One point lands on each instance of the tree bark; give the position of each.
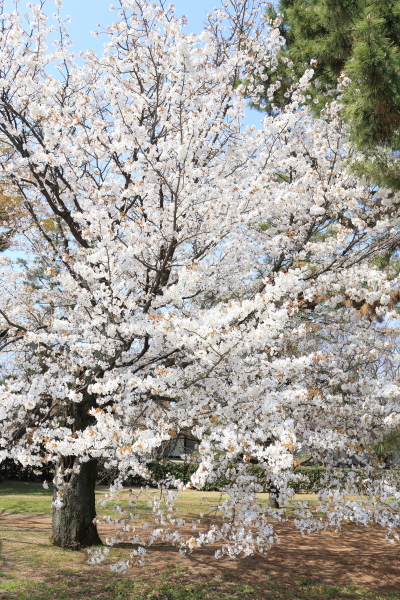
(273, 497)
(73, 525)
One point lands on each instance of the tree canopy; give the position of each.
(195, 274)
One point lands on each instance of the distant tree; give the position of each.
(8, 219)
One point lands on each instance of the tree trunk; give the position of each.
(73, 525)
(273, 497)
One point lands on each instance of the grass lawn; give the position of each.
(356, 564)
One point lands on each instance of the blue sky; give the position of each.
(87, 14)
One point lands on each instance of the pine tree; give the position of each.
(358, 38)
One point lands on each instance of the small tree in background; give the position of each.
(10, 213)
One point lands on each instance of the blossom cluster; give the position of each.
(192, 273)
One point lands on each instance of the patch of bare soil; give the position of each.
(359, 556)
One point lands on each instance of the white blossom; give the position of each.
(193, 274)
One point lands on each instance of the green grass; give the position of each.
(76, 588)
(25, 498)
(22, 488)
(21, 498)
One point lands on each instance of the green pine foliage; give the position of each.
(359, 39)
(372, 101)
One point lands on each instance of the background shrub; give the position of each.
(11, 471)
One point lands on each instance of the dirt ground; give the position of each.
(358, 556)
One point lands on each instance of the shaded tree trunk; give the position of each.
(273, 497)
(73, 525)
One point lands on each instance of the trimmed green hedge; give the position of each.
(9, 470)
(12, 471)
(179, 470)
(314, 475)
(184, 471)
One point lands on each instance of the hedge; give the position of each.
(12, 471)
(184, 471)
(9, 470)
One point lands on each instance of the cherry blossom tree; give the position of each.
(196, 274)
